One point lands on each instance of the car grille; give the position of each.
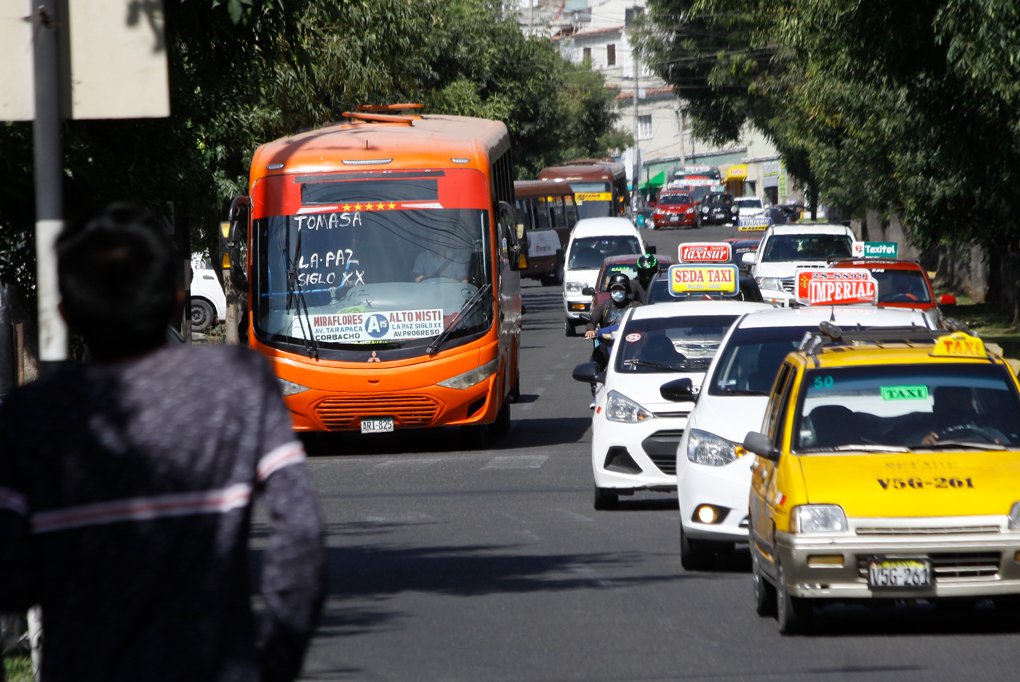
(407, 410)
(787, 284)
(661, 449)
(925, 530)
(953, 567)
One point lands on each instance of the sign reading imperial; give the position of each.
(836, 287)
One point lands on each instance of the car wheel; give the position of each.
(792, 613)
(568, 327)
(764, 591)
(547, 280)
(694, 554)
(605, 499)
(202, 315)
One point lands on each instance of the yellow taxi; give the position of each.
(887, 468)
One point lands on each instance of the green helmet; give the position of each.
(647, 264)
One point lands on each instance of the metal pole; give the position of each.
(49, 178)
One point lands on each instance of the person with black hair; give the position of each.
(127, 485)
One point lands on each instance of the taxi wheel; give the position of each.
(791, 612)
(694, 555)
(604, 499)
(764, 591)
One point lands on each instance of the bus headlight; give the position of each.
(473, 377)
(819, 518)
(289, 387)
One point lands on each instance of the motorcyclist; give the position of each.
(647, 268)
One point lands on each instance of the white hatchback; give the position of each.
(591, 240)
(658, 350)
(713, 482)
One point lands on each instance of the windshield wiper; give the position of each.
(740, 391)
(294, 287)
(651, 363)
(870, 447)
(950, 444)
(461, 314)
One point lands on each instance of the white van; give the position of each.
(208, 302)
(591, 240)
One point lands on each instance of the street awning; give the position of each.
(737, 171)
(657, 180)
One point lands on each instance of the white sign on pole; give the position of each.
(16, 92)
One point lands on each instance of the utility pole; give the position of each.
(637, 147)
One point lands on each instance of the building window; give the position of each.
(610, 55)
(586, 55)
(644, 127)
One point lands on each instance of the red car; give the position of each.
(627, 264)
(674, 209)
(901, 284)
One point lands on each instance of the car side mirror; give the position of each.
(588, 291)
(588, 372)
(946, 300)
(759, 444)
(678, 391)
(747, 259)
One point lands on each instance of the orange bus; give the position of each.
(383, 272)
(546, 213)
(600, 187)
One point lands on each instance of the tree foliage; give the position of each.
(246, 71)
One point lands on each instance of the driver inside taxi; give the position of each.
(955, 416)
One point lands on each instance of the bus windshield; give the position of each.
(383, 274)
(594, 199)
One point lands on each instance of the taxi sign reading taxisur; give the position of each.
(702, 278)
(960, 345)
(844, 286)
(705, 252)
(874, 249)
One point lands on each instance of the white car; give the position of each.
(635, 430)
(713, 483)
(208, 302)
(591, 240)
(750, 211)
(785, 248)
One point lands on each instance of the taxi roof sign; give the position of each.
(959, 345)
(705, 252)
(703, 278)
(843, 286)
(874, 249)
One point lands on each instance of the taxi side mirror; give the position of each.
(588, 372)
(588, 291)
(747, 259)
(678, 391)
(759, 444)
(946, 300)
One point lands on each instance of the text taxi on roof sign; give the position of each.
(887, 467)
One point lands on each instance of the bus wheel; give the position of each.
(515, 391)
(501, 426)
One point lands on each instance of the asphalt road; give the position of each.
(455, 565)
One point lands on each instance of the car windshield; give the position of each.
(671, 344)
(901, 286)
(748, 202)
(674, 199)
(587, 253)
(908, 406)
(750, 360)
(805, 247)
(629, 269)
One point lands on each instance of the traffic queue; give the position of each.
(864, 446)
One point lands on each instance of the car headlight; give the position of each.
(819, 518)
(289, 387)
(620, 408)
(1014, 517)
(573, 287)
(709, 449)
(475, 376)
(690, 210)
(704, 209)
(773, 283)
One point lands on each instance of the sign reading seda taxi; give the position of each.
(836, 287)
(705, 252)
(702, 278)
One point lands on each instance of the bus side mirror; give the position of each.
(234, 242)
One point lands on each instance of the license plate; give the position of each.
(899, 574)
(377, 425)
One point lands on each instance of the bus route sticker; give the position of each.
(362, 327)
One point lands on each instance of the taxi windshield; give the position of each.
(900, 286)
(909, 407)
(671, 344)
